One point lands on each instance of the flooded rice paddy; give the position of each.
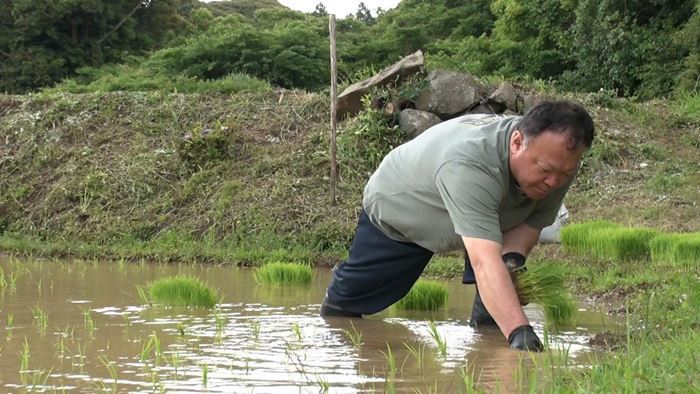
(80, 327)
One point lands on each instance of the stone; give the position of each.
(448, 93)
(413, 122)
(530, 101)
(506, 95)
(349, 102)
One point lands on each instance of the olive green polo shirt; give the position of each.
(454, 180)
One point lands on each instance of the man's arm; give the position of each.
(520, 239)
(495, 286)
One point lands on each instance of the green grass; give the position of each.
(167, 247)
(688, 107)
(659, 350)
(112, 78)
(680, 250)
(284, 273)
(425, 295)
(182, 291)
(543, 283)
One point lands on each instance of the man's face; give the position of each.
(543, 163)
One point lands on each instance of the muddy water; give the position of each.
(80, 327)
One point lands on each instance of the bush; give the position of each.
(364, 140)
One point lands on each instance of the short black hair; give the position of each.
(559, 116)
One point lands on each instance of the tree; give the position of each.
(62, 36)
(320, 10)
(364, 15)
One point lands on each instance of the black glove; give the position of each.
(480, 315)
(524, 338)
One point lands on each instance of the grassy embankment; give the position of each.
(111, 176)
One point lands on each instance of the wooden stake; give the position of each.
(334, 93)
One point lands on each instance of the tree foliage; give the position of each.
(45, 40)
(642, 48)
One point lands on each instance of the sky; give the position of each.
(340, 8)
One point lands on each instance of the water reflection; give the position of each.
(260, 338)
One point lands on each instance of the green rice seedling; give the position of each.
(255, 330)
(174, 361)
(425, 295)
(24, 357)
(61, 347)
(152, 346)
(181, 329)
(41, 319)
(469, 382)
(439, 339)
(220, 322)
(323, 385)
(182, 291)
(390, 361)
(112, 371)
(686, 252)
(579, 238)
(543, 284)
(677, 249)
(3, 280)
(143, 295)
(355, 336)
(82, 351)
(418, 354)
(13, 281)
(284, 273)
(88, 322)
(39, 379)
(623, 243)
(205, 373)
(10, 324)
(297, 332)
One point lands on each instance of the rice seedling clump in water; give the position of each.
(425, 295)
(284, 273)
(182, 291)
(543, 284)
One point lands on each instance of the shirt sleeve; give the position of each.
(472, 194)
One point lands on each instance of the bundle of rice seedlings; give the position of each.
(543, 284)
(623, 243)
(284, 273)
(677, 249)
(579, 238)
(182, 291)
(425, 295)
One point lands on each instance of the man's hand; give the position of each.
(494, 283)
(524, 338)
(515, 262)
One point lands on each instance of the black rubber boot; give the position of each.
(330, 310)
(480, 316)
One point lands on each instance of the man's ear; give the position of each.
(517, 141)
